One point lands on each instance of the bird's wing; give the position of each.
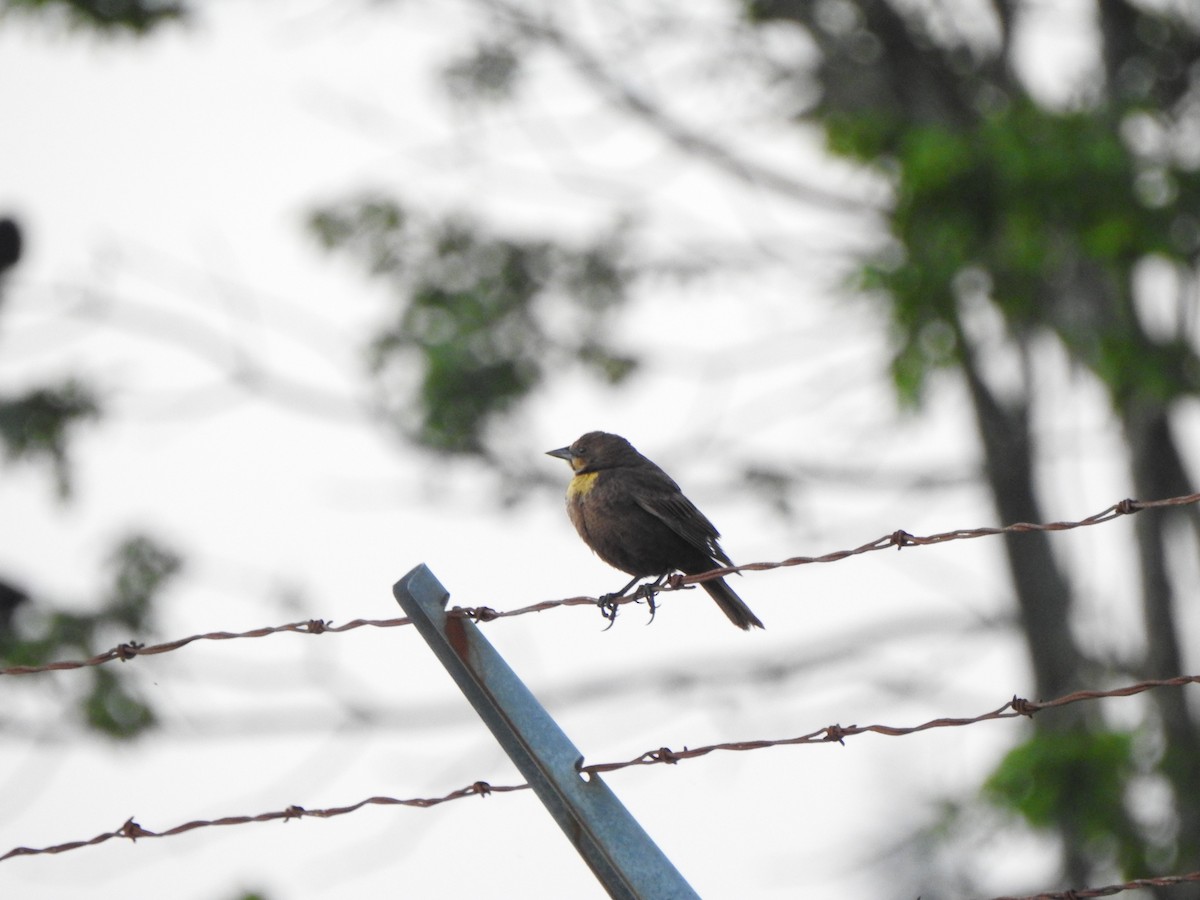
(681, 515)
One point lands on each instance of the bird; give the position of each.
(634, 516)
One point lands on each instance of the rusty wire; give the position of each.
(663, 755)
(901, 539)
(131, 830)
(898, 539)
(1014, 708)
(127, 651)
(1109, 889)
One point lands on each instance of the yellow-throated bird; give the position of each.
(635, 518)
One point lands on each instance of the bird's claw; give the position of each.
(646, 592)
(609, 602)
(608, 608)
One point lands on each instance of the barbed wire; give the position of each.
(901, 539)
(131, 830)
(1110, 889)
(1014, 708)
(898, 539)
(127, 651)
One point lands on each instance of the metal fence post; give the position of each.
(620, 853)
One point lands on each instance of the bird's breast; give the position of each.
(581, 485)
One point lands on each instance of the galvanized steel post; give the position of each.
(620, 853)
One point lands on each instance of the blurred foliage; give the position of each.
(112, 709)
(138, 17)
(12, 598)
(37, 634)
(1009, 213)
(143, 570)
(37, 424)
(480, 318)
(490, 72)
(10, 244)
(1035, 200)
(1025, 197)
(1088, 771)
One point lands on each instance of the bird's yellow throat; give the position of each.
(581, 484)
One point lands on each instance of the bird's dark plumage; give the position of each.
(636, 519)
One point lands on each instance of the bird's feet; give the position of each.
(647, 592)
(608, 604)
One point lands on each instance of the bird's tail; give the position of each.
(731, 604)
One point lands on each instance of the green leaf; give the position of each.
(1078, 774)
(38, 423)
(143, 569)
(112, 710)
(469, 336)
(138, 17)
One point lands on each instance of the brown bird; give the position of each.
(635, 518)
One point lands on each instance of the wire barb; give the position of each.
(128, 651)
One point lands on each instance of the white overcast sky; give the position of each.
(163, 186)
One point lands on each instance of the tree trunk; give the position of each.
(1158, 471)
(1042, 591)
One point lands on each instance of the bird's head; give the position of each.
(597, 450)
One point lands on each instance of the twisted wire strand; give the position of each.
(899, 539)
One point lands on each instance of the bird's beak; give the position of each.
(562, 453)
